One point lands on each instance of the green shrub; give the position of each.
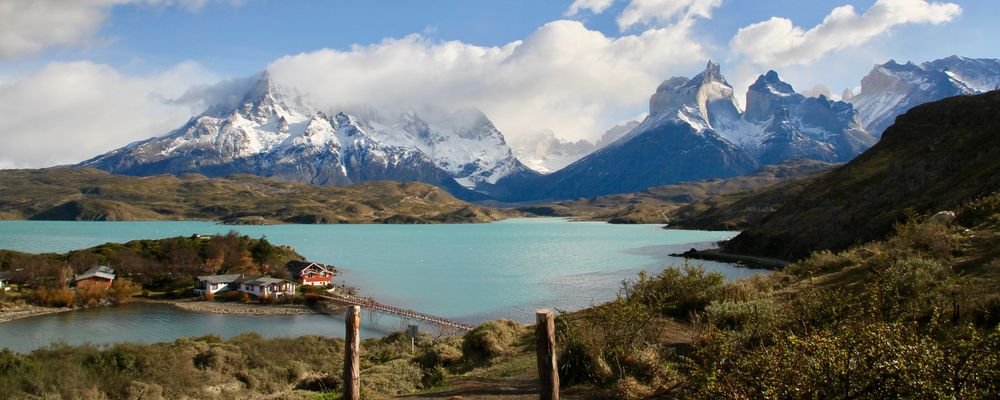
(491, 340)
(910, 289)
(434, 376)
(761, 314)
(392, 378)
(820, 262)
(916, 238)
(979, 211)
(440, 354)
(677, 293)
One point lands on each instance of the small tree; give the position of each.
(122, 291)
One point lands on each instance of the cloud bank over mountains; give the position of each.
(564, 76)
(778, 42)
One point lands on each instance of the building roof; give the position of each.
(99, 271)
(213, 279)
(265, 280)
(295, 268)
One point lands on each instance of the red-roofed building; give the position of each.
(311, 274)
(96, 276)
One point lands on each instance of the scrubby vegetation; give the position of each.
(210, 368)
(913, 316)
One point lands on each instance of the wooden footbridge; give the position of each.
(371, 304)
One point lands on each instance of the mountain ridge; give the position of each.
(935, 157)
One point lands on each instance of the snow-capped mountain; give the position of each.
(275, 132)
(544, 152)
(780, 124)
(979, 74)
(892, 89)
(696, 130)
(674, 143)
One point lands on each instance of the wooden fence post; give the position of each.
(352, 362)
(545, 349)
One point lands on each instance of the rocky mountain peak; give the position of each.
(768, 94)
(713, 72)
(702, 101)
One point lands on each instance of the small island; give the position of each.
(229, 274)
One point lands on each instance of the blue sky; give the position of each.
(244, 37)
(114, 69)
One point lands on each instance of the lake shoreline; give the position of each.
(16, 312)
(235, 308)
(748, 261)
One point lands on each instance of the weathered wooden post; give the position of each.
(545, 349)
(352, 348)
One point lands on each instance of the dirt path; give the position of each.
(476, 388)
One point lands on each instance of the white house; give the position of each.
(3, 281)
(216, 283)
(260, 286)
(268, 287)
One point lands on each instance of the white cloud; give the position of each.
(30, 26)
(664, 12)
(595, 6)
(27, 27)
(68, 112)
(563, 76)
(778, 42)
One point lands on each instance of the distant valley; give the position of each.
(86, 194)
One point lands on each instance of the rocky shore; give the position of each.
(14, 312)
(740, 259)
(217, 307)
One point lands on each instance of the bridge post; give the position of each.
(545, 350)
(352, 348)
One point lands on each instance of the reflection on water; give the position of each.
(149, 323)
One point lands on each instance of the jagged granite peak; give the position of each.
(768, 94)
(273, 131)
(676, 142)
(824, 129)
(703, 101)
(891, 89)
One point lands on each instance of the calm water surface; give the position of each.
(469, 272)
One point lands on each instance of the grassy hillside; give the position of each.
(88, 194)
(912, 316)
(660, 204)
(936, 157)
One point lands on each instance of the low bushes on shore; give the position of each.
(211, 368)
(909, 317)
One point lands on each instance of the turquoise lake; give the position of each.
(466, 272)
